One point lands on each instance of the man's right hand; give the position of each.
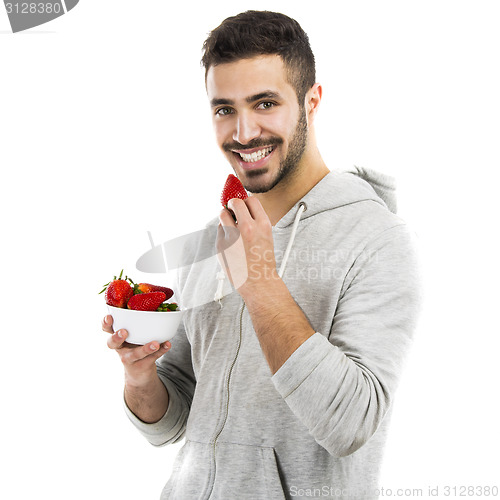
(145, 394)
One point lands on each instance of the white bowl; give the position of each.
(146, 326)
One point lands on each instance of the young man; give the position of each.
(285, 390)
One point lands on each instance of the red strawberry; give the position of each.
(146, 301)
(118, 291)
(147, 288)
(233, 188)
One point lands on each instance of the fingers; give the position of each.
(107, 324)
(117, 339)
(131, 352)
(226, 219)
(248, 210)
(151, 351)
(239, 207)
(255, 208)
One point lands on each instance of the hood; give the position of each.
(349, 186)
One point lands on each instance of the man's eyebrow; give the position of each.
(217, 102)
(266, 94)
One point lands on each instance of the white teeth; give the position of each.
(257, 155)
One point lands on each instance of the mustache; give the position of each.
(254, 143)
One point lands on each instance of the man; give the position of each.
(285, 390)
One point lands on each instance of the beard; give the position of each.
(288, 165)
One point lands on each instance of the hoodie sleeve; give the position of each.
(340, 383)
(175, 371)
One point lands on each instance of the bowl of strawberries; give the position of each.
(142, 309)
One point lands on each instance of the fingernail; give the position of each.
(106, 320)
(153, 347)
(120, 334)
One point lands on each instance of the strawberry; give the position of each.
(147, 288)
(233, 188)
(118, 291)
(146, 301)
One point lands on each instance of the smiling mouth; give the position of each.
(255, 155)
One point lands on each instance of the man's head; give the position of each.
(260, 81)
(255, 33)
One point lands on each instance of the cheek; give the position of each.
(223, 131)
(281, 124)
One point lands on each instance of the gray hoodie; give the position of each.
(317, 427)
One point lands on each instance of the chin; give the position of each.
(258, 181)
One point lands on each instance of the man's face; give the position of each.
(258, 122)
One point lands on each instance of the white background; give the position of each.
(105, 134)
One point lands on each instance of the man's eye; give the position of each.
(265, 105)
(224, 111)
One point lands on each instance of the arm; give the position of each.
(148, 402)
(339, 383)
(158, 389)
(278, 321)
(145, 395)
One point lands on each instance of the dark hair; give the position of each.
(254, 33)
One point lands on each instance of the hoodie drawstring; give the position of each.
(302, 207)
(221, 276)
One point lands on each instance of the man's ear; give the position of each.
(312, 101)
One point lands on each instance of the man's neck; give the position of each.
(285, 195)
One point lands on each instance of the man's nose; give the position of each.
(246, 129)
